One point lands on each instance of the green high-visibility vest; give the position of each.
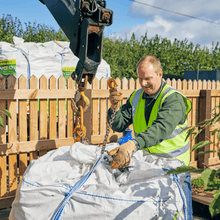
(176, 145)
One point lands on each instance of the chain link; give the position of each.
(81, 134)
(109, 127)
(85, 140)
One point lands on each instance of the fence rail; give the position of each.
(49, 122)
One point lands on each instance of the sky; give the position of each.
(140, 17)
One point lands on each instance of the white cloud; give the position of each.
(171, 26)
(197, 8)
(158, 26)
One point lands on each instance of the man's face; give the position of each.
(148, 79)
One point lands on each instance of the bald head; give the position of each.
(152, 60)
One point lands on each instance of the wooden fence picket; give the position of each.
(12, 137)
(179, 84)
(217, 85)
(95, 109)
(124, 86)
(204, 84)
(43, 123)
(189, 87)
(173, 83)
(3, 158)
(168, 82)
(131, 84)
(3, 176)
(3, 106)
(52, 110)
(137, 84)
(33, 118)
(61, 110)
(43, 114)
(103, 108)
(193, 120)
(195, 84)
(209, 85)
(213, 86)
(199, 87)
(184, 87)
(22, 122)
(70, 115)
(33, 111)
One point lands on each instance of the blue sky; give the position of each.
(135, 17)
(34, 10)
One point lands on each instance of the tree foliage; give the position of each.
(123, 55)
(10, 27)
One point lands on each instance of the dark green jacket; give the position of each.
(171, 114)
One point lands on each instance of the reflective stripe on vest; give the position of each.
(135, 99)
(175, 145)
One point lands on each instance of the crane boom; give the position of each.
(83, 23)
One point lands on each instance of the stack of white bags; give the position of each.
(50, 58)
(64, 184)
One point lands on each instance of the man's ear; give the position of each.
(160, 73)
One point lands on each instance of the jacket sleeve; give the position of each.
(169, 116)
(123, 117)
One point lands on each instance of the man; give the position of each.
(158, 113)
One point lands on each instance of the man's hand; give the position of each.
(115, 97)
(124, 154)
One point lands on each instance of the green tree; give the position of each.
(10, 27)
(42, 33)
(123, 55)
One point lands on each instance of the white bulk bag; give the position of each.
(144, 192)
(103, 70)
(70, 60)
(9, 54)
(43, 61)
(38, 59)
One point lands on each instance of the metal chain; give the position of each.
(85, 140)
(109, 127)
